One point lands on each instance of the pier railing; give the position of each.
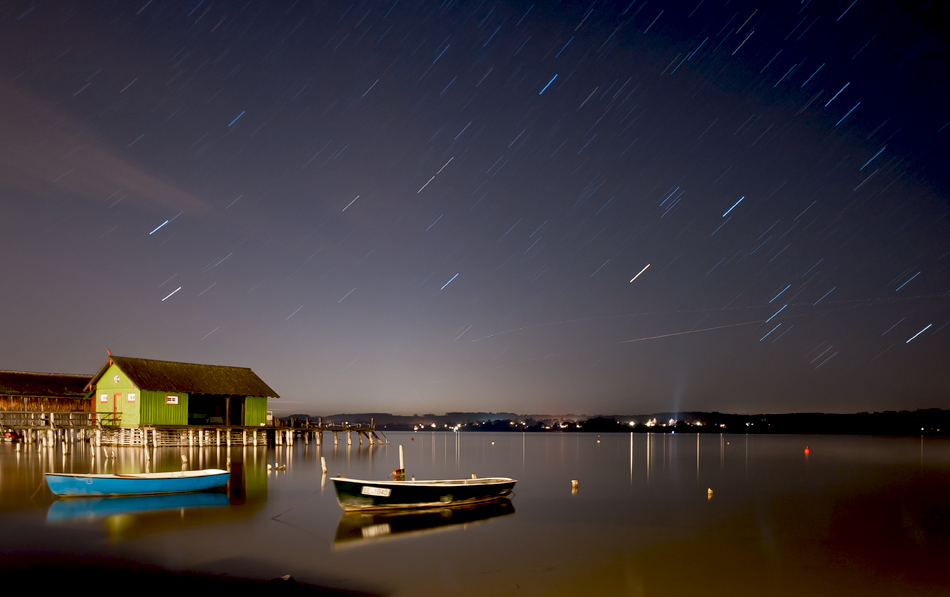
(22, 419)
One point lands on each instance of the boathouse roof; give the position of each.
(172, 376)
(45, 385)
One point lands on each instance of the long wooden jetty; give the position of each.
(47, 427)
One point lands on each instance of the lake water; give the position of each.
(854, 516)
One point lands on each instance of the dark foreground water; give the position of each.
(855, 516)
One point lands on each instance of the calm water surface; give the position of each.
(857, 515)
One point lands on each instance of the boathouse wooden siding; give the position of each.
(255, 410)
(44, 392)
(146, 392)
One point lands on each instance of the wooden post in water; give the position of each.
(349, 438)
(323, 464)
(335, 439)
(244, 438)
(227, 433)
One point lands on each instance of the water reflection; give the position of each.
(89, 508)
(858, 515)
(357, 528)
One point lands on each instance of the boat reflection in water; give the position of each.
(88, 508)
(357, 528)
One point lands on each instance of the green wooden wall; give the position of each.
(113, 382)
(156, 411)
(255, 410)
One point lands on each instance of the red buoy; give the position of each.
(807, 451)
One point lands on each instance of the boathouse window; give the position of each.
(131, 397)
(103, 397)
(171, 399)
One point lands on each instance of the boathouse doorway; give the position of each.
(215, 409)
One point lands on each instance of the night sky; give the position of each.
(420, 207)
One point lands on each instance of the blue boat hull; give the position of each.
(141, 484)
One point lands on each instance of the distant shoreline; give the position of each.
(931, 422)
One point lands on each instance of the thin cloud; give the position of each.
(43, 150)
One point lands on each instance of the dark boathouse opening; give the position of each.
(215, 409)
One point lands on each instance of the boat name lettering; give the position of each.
(379, 491)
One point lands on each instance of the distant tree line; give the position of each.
(932, 421)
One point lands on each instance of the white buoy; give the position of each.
(709, 494)
(574, 484)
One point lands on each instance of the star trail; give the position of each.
(490, 176)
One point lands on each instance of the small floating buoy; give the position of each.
(574, 484)
(412, 439)
(473, 476)
(807, 451)
(598, 441)
(493, 443)
(709, 493)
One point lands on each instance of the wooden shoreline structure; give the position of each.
(147, 402)
(50, 427)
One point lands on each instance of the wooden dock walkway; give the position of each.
(104, 429)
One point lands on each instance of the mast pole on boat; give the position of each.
(400, 473)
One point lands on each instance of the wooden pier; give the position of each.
(104, 429)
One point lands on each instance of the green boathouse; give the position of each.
(140, 393)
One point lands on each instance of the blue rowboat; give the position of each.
(354, 494)
(70, 485)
